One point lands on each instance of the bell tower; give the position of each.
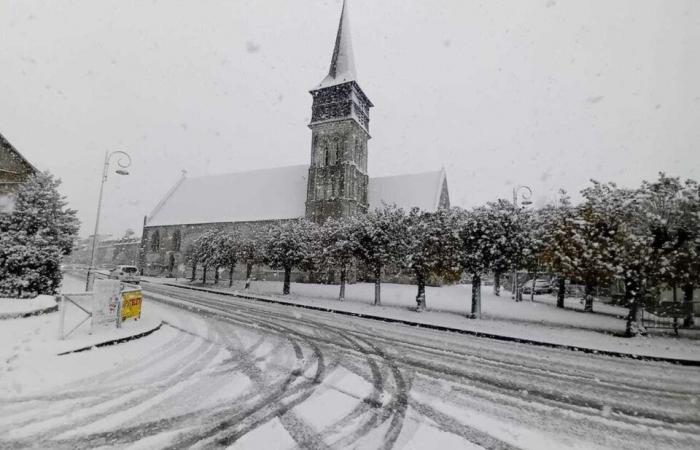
(339, 134)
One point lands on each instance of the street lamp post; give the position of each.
(123, 162)
(525, 197)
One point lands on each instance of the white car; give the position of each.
(126, 274)
(541, 287)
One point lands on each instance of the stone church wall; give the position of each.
(165, 251)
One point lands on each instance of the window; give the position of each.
(177, 240)
(155, 241)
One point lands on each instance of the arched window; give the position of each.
(155, 241)
(177, 240)
(326, 155)
(339, 144)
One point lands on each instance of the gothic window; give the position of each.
(177, 240)
(319, 190)
(339, 144)
(326, 155)
(155, 241)
(356, 155)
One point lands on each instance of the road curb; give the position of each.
(480, 334)
(114, 341)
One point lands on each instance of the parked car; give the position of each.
(541, 287)
(127, 274)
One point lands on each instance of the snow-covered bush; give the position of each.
(34, 237)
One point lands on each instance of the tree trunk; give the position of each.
(230, 274)
(532, 291)
(343, 278)
(378, 284)
(476, 296)
(194, 272)
(287, 280)
(216, 275)
(561, 292)
(248, 272)
(632, 328)
(204, 275)
(497, 283)
(588, 297)
(420, 298)
(689, 319)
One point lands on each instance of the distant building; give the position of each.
(109, 252)
(14, 170)
(335, 184)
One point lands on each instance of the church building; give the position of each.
(335, 184)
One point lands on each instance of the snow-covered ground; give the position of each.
(244, 374)
(30, 346)
(12, 306)
(448, 306)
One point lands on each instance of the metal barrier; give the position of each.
(668, 315)
(73, 298)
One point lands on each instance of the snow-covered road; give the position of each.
(245, 374)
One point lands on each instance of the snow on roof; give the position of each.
(267, 194)
(420, 190)
(279, 193)
(342, 68)
(5, 144)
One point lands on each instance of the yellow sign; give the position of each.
(131, 305)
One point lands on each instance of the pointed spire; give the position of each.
(342, 67)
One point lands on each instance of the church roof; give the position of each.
(422, 190)
(278, 193)
(342, 68)
(267, 194)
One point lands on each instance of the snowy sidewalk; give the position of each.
(525, 321)
(11, 308)
(30, 348)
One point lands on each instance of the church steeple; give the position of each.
(339, 125)
(342, 67)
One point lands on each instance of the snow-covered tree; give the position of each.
(225, 253)
(670, 221)
(338, 247)
(478, 237)
(558, 221)
(34, 237)
(251, 252)
(290, 245)
(686, 260)
(201, 252)
(430, 247)
(378, 236)
(508, 226)
(603, 242)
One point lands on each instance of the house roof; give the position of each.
(6, 145)
(278, 193)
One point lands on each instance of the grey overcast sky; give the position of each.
(548, 93)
